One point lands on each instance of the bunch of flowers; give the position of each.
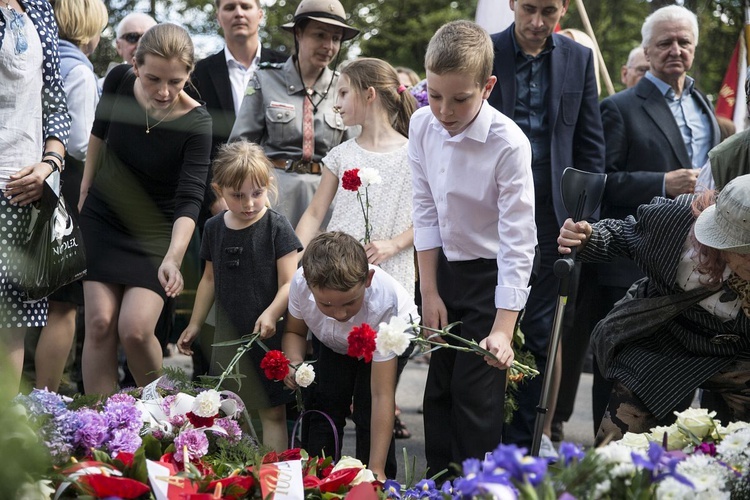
(358, 179)
(68, 432)
(396, 335)
(419, 91)
(702, 459)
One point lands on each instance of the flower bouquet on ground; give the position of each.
(358, 180)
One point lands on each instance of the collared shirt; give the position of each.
(239, 75)
(384, 299)
(474, 196)
(694, 125)
(531, 113)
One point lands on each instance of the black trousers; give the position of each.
(464, 397)
(339, 380)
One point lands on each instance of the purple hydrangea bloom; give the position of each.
(121, 397)
(234, 432)
(91, 430)
(196, 443)
(122, 415)
(123, 440)
(42, 402)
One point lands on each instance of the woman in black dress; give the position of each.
(141, 192)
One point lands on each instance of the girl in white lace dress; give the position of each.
(369, 94)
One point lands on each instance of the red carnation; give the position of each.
(351, 181)
(275, 365)
(199, 421)
(362, 342)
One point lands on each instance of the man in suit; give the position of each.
(547, 85)
(220, 81)
(658, 135)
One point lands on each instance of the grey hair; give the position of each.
(668, 13)
(131, 17)
(632, 54)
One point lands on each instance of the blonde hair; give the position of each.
(79, 21)
(461, 47)
(335, 261)
(410, 74)
(398, 102)
(235, 162)
(167, 41)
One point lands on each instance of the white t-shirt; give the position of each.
(384, 299)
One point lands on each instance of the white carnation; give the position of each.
(304, 375)
(672, 489)
(392, 337)
(206, 404)
(369, 176)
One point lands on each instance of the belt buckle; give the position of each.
(299, 166)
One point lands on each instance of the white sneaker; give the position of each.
(547, 449)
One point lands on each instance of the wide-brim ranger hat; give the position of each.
(726, 225)
(324, 11)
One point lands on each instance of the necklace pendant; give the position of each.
(148, 131)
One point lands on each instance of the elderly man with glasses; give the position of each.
(129, 30)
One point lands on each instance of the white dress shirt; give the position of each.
(239, 76)
(474, 196)
(384, 299)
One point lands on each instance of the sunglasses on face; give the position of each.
(131, 37)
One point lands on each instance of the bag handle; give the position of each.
(336, 455)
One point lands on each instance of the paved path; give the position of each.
(409, 398)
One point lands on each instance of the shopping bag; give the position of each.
(52, 255)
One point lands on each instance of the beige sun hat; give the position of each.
(726, 225)
(324, 11)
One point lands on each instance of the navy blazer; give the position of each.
(643, 143)
(573, 106)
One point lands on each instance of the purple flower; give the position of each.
(41, 401)
(121, 397)
(706, 449)
(196, 443)
(91, 430)
(419, 91)
(123, 440)
(468, 484)
(178, 420)
(660, 463)
(392, 489)
(234, 432)
(123, 415)
(520, 467)
(569, 451)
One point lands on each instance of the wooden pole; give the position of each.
(597, 52)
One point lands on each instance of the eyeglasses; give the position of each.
(131, 37)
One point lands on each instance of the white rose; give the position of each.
(697, 421)
(369, 176)
(635, 441)
(304, 375)
(206, 404)
(676, 439)
(392, 337)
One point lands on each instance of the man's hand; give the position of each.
(681, 181)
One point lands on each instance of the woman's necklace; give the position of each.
(171, 108)
(309, 91)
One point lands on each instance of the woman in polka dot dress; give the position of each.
(34, 127)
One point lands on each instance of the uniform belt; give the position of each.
(297, 166)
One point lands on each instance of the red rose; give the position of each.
(275, 365)
(351, 181)
(101, 486)
(198, 421)
(362, 342)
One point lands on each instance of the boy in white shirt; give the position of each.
(475, 235)
(334, 291)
